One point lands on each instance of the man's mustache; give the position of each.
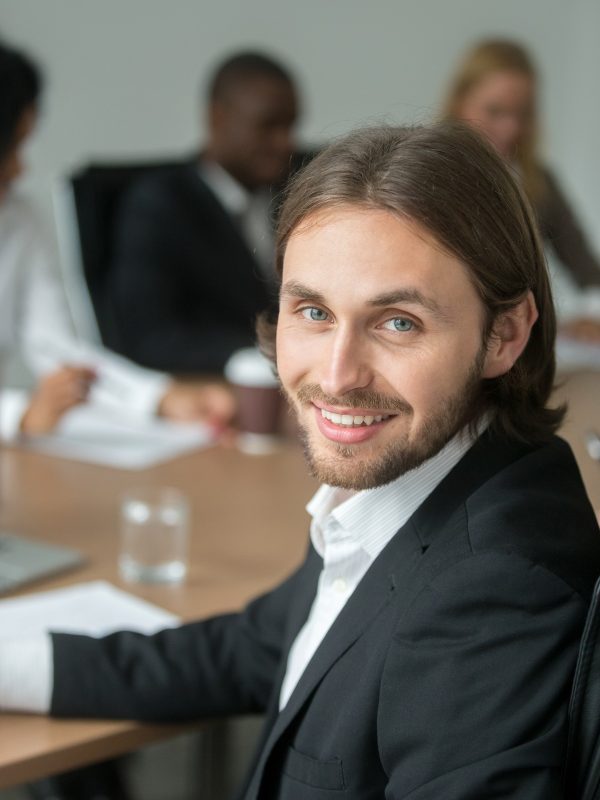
(356, 398)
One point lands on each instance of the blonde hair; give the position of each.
(485, 58)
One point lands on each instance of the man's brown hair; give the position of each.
(445, 178)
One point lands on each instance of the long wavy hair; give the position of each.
(445, 178)
(487, 58)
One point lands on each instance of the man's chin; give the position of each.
(355, 474)
(354, 467)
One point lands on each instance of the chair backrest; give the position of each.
(86, 209)
(86, 213)
(582, 778)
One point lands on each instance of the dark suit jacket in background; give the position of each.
(184, 285)
(445, 677)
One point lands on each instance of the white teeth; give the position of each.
(350, 420)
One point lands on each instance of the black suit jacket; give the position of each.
(446, 675)
(183, 284)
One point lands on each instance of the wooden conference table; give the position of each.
(249, 528)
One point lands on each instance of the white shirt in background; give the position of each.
(35, 321)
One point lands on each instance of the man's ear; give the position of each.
(509, 337)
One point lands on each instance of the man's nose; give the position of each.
(345, 364)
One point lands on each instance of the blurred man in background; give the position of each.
(193, 261)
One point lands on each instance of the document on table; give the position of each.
(101, 435)
(95, 608)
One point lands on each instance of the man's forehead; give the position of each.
(260, 90)
(390, 259)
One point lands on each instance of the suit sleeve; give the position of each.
(476, 686)
(223, 665)
(566, 237)
(153, 282)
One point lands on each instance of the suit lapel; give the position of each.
(384, 581)
(404, 562)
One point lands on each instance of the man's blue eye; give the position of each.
(316, 314)
(401, 324)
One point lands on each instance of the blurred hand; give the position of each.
(583, 329)
(54, 396)
(211, 403)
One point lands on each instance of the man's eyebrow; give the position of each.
(295, 289)
(412, 296)
(301, 292)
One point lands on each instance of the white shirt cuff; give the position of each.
(26, 674)
(13, 404)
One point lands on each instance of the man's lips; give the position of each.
(350, 425)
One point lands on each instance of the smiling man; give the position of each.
(425, 648)
(380, 344)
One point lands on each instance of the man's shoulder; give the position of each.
(540, 477)
(161, 180)
(166, 188)
(516, 501)
(536, 507)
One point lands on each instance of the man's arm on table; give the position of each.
(476, 685)
(226, 664)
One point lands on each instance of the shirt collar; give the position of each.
(231, 194)
(371, 517)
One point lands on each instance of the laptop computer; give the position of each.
(24, 560)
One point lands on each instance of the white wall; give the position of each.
(123, 75)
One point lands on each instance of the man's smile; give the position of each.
(350, 425)
(353, 419)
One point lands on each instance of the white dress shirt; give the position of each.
(251, 209)
(349, 530)
(34, 320)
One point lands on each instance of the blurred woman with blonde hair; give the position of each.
(494, 90)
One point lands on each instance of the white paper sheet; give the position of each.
(99, 435)
(95, 608)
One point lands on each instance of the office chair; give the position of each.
(582, 777)
(85, 207)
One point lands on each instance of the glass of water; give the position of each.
(154, 535)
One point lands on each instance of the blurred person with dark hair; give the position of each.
(495, 89)
(193, 263)
(34, 318)
(426, 646)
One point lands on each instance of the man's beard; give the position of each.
(345, 468)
